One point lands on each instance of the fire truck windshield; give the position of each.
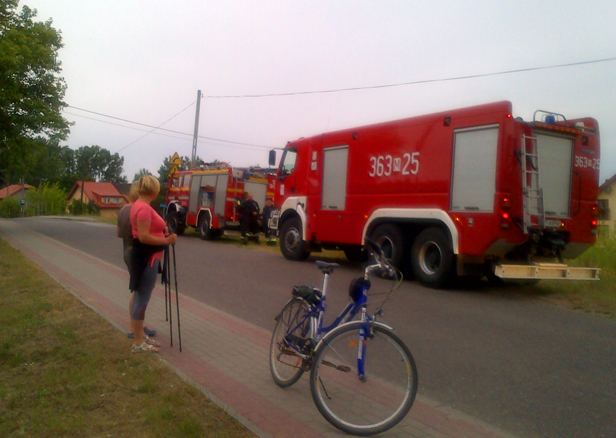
(288, 162)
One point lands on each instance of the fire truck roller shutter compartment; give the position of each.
(474, 169)
(206, 195)
(194, 191)
(221, 194)
(334, 178)
(555, 158)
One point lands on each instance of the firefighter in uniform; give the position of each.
(270, 235)
(250, 213)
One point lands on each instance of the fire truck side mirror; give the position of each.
(272, 158)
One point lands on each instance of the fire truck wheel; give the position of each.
(292, 245)
(204, 228)
(432, 258)
(391, 240)
(174, 224)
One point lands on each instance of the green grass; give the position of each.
(65, 372)
(589, 296)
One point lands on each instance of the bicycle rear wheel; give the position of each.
(286, 367)
(370, 405)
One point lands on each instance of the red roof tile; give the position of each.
(11, 190)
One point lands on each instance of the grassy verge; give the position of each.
(65, 372)
(589, 296)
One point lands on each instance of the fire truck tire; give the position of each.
(292, 244)
(205, 233)
(174, 223)
(432, 258)
(391, 239)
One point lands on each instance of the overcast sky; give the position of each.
(144, 60)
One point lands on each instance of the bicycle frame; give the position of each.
(317, 311)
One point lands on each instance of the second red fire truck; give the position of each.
(463, 192)
(208, 199)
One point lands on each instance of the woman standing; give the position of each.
(125, 232)
(148, 245)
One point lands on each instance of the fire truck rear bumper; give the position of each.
(545, 271)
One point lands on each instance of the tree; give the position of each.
(94, 163)
(142, 172)
(31, 88)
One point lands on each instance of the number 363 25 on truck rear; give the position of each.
(472, 191)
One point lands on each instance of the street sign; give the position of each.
(175, 160)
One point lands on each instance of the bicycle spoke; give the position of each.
(286, 365)
(370, 405)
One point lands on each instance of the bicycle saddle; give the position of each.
(326, 268)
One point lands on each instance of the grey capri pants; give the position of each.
(144, 292)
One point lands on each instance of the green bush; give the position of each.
(48, 199)
(10, 207)
(79, 208)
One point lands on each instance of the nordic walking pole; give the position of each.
(166, 280)
(170, 310)
(177, 298)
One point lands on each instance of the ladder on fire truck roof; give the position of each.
(534, 214)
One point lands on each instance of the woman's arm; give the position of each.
(143, 231)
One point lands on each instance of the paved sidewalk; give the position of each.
(223, 356)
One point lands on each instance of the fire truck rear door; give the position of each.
(555, 158)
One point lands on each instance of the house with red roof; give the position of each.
(17, 191)
(607, 200)
(105, 195)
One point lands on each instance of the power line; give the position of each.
(122, 126)
(164, 129)
(158, 127)
(402, 84)
(165, 135)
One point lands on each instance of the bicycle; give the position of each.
(363, 378)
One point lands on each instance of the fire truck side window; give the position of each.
(186, 180)
(176, 182)
(288, 162)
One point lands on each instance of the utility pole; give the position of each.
(193, 160)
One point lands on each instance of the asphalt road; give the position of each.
(517, 363)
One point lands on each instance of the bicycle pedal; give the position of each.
(342, 368)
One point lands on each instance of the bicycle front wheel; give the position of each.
(374, 403)
(286, 367)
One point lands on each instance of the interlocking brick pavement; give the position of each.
(223, 356)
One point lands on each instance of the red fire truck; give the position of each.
(472, 191)
(209, 199)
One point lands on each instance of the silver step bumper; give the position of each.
(545, 271)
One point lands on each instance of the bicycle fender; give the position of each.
(277, 317)
(333, 332)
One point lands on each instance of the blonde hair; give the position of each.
(133, 194)
(148, 185)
